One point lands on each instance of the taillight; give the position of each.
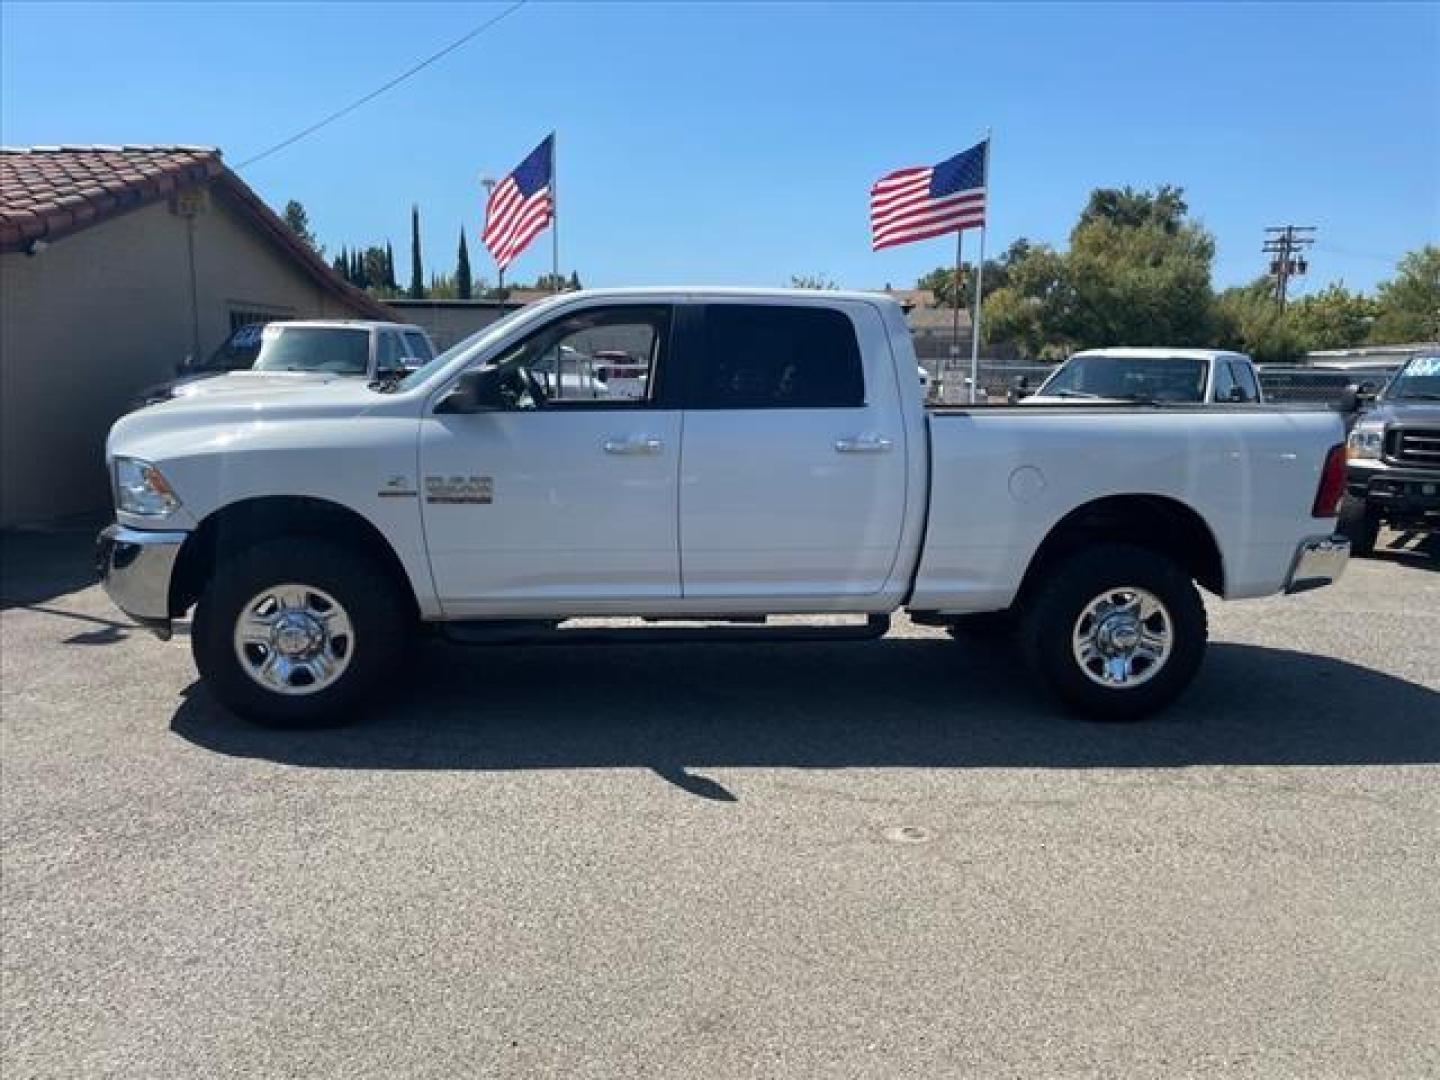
(1332, 484)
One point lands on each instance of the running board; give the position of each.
(508, 632)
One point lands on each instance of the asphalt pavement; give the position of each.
(886, 859)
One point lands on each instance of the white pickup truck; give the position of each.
(1152, 375)
(779, 462)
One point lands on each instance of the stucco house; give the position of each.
(117, 262)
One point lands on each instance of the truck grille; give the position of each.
(1414, 446)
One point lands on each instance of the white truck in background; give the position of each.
(779, 462)
(1151, 376)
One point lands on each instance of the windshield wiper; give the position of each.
(1067, 392)
(1423, 395)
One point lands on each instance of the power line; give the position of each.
(1286, 243)
(348, 109)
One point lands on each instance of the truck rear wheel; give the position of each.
(1115, 631)
(1360, 524)
(298, 632)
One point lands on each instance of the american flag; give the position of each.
(914, 204)
(521, 205)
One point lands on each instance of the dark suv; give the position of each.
(1392, 473)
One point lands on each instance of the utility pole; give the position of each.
(1285, 244)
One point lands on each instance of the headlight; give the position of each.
(141, 489)
(1365, 442)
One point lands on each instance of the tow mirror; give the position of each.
(475, 391)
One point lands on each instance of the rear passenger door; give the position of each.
(793, 467)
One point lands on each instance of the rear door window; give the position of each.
(1243, 376)
(771, 356)
(390, 352)
(419, 346)
(1224, 382)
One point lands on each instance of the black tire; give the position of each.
(1360, 524)
(1053, 611)
(381, 622)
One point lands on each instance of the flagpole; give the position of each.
(955, 351)
(979, 284)
(554, 213)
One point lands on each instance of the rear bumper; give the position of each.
(1319, 561)
(135, 569)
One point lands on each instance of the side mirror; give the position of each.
(1020, 388)
(1349, 400)
(475, 391)
(1237, 395)
(1366, 390)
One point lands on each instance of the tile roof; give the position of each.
(48, 192)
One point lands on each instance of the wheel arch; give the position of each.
(1160, 523)
(238, 525)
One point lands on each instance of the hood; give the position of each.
(1400, 411)
(249, 382)
(214, 421)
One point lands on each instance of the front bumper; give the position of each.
(135, 568)
(1319, 561)
(1394, 489)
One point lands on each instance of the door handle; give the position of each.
(639, 444)
(864, 444)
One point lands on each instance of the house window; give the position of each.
(246, 316)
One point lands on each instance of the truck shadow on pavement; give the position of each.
(896, 703)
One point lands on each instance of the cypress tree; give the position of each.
(389, 267)
(417, 273)
(462, 269)
(338, 265)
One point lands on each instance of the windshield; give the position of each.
(420, 374)
(1142, 379)
(333, 349)
(237, 352)
(1419, 380)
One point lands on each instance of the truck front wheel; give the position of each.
(1360, 524)
(1115, 631)
(298, 631)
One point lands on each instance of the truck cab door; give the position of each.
(793, 475)
(562, 499)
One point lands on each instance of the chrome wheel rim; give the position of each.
(1123, 637)
(294, 639)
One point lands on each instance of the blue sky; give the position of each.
(735, 143)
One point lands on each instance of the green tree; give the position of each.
(462, 269)
(1409, 303)
(811, 281)
(299, 222)
(1248, 319)
(417, 269)
(341, 264)
(442, 287)
(1137, 272)
(390, 268)
(1333, 318)
(1125, 208)
(1029, 306)
(548, 283)
(941, 282)
(373, 261)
